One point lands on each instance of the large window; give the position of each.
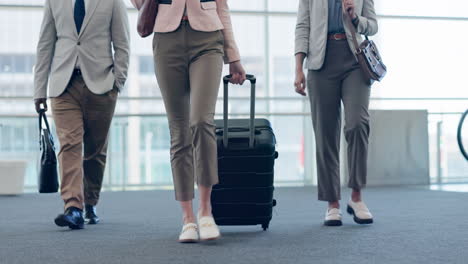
(421, 41)
(16, 63)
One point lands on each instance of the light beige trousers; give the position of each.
(188, 66)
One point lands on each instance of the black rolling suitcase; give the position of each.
(246, 157)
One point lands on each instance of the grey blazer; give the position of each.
(312, 28)
(105, 26)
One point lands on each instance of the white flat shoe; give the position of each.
(208, 228)
(360, 212)
(333, 217)
(189, 233)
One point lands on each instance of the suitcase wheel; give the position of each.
(265, 226)
(276, 154)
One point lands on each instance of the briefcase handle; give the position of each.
(253, 81)
(42, 116)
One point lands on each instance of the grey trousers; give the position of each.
(188, 66)
(339, 80)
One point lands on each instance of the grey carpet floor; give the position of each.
(413, 225)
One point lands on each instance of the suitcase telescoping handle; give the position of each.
(253, 82)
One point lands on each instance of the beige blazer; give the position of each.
(105, 27)
(203, 15)
(312, 28)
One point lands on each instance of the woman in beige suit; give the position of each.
(334, 76)
(191, 38)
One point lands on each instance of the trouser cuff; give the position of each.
(355, 186)
(208, 182)
(329, 198)
(184, 196)
(91, 202)
(73, 203)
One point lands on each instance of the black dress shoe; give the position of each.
(90, 215)
(73, 218)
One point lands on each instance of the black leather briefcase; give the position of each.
(48, 176)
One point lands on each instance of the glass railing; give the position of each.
(138, 156)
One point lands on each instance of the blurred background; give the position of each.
(423, 46)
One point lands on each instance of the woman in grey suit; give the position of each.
(334, 76)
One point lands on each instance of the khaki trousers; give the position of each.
(339, 80)
(188, 66)
(82, 118)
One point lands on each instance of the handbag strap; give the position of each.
(348, 21)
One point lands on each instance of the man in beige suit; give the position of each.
(74, 56)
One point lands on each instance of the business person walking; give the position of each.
(190, 40)
(324, 37)
(74, 56)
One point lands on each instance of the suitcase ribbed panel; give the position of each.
(221, 194)
(245, 180)
(265, 140)
(244, 195)
(242, 210)
(260, 164)
(226, 221)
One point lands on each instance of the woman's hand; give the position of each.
(237, 72)
(349, 8)
(300, 82)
